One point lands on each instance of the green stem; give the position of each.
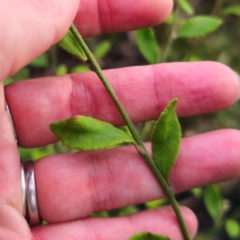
(140, 148)
(170, 38)
(53, 55)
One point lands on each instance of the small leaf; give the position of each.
(40, 62)
(147, 44)
(213, 201)
(79, 68)
(233, 9)
(199, 26)
(86, 133)
(197, 192)
(102, 49)
(61, 69)
(232, 228)
(166, 138)
(70, 44)
(156, 203)
(148, 236)
(186, 6)
(170, 19)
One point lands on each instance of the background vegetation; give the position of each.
(196, 31)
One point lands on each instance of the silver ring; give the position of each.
(24, 189)
(11, 120)
(31, 193)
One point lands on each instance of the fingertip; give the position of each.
(164, 221)
(228, 85)
(162, 6)
(95, 17)
(190, 220)
(35, 26)
(188, 215)
(153, 12)
(212, 85)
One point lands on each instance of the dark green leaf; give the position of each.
(147, 44)
(233, 9)
(70, 44)
(213, 201)
(148, 236)
(166, 138)
(186, 6)
(199, 26)
(86, 133)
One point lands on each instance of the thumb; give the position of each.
(28, 28)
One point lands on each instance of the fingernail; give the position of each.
(238, 76)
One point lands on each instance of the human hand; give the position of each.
(72, 186)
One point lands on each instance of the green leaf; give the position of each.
(102, 214)
(8, 81)
(232, 228)
(102, 49)
(148, 236)
(86, 133)
(199, 26)
(186, 6)
(40, 62)
(213, 201)
(79, 68)
(166, 138)
(233, 9)
(70, 44)
(170, 19)
(156, 203)
(61, 69)
(197, 192)
(147, 44)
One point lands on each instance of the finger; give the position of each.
(45, 24)
(96, 17)
(144, 91)
(12, 223)
(72, 186)
(162, 221)
(32, 27)
(27, 28)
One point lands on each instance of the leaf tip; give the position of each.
(173, 103)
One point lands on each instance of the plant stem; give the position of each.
(53, 55)
(140, 148)
(170, 38)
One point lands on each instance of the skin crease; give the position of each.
(95, 173)
(83, 94)
(36, 103)
(119, 16)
